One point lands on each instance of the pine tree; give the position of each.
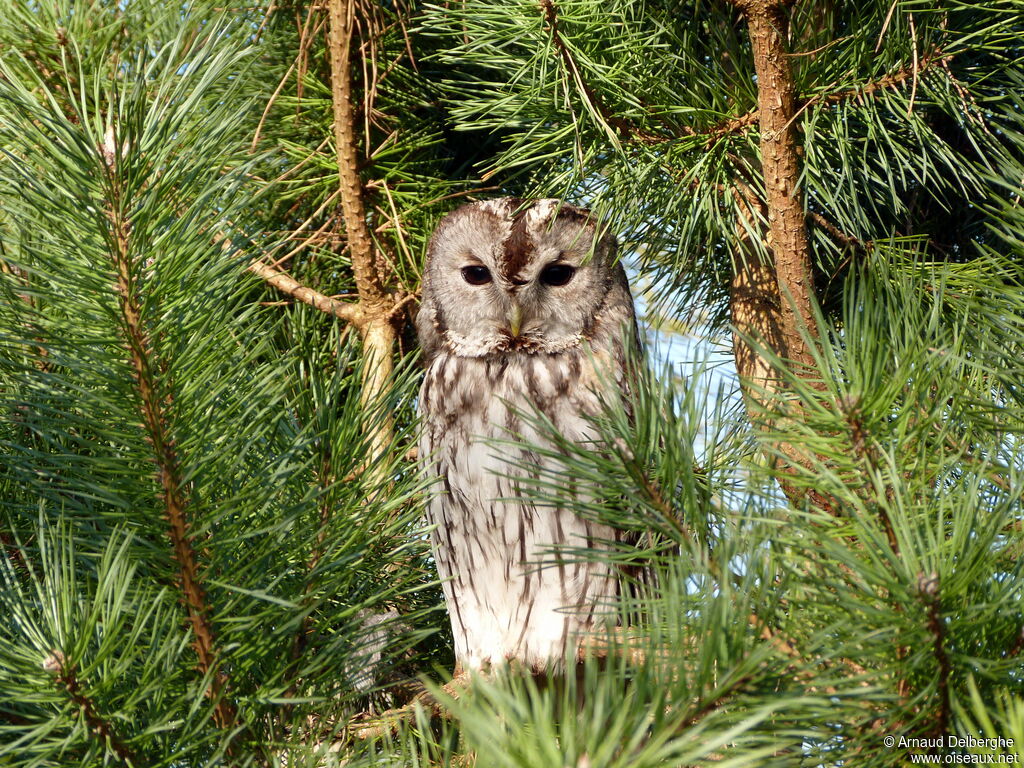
(212, 220)
(209, 522)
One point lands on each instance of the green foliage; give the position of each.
(206, 564)
(642, 109)
(143, 390)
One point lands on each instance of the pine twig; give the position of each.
(622, 127)
(752, 118)
(837, 234)
(928, 588)
(153, 406)
(65, 673)
(343, 310)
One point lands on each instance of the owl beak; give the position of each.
(515, 319)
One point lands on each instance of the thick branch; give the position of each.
(755, 308)
(753, 300)
(353, 208)
(787, 228)
(375, 304)
(772, 300)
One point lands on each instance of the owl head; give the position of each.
(512, 276)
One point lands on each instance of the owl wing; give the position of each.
(426, 328)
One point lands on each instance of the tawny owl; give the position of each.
(525, 310)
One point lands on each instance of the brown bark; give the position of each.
(153, 405)
(772, 300)
(756, 309)
(353, 208)
(376, 306)
(67, 676)
(754, 302)
(787, 229)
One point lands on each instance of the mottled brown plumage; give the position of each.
(524, 309)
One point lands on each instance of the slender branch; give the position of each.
(657, 499)
(837, 234)
(933, 58)
(626, 129)
(752, 118)
(732, 125)
(66, 675)
(153, 404)
(1017, 646)
(343, 310)
(12, 551)
(623, 127)
(928, 587)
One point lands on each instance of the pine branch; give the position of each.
(627, 129)
(657, 499)
(343, 310)
(851, 411)
(153, 410)
(933, 58)
(750, 119)
(753, 296)
(928, 588)
(840, 237)
(377, 306)
(66, 675)
(767, 24)
(360, 244)
(732, 125)
(755, 307)
(623, 127)
(772, 304)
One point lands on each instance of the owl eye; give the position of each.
(557, 274)
(476, 275)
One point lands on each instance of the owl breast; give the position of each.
(514, 587)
